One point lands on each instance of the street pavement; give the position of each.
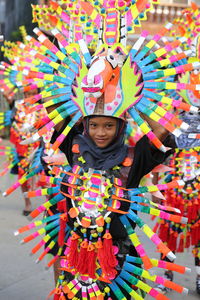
(21, 278)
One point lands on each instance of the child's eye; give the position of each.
(109, 125)
(93, 125)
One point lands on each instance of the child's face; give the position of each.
(102, 130)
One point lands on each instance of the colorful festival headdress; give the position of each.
(192, 97)
(116, 80)
(22, 56)
(77, 18)
(188, 27)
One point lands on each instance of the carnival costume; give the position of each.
(99, 198)
(24, 158)
(185, 163)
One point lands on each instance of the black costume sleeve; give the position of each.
(146, 157)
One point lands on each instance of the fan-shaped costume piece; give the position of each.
(23, 115)
(186, 165)
(22, 162)
(94, 262)
(187, 24)
(11, 158)
(185, 161)
(19, 132)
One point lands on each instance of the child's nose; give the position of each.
(101, 131)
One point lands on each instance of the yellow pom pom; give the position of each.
(107, 290)
(95, 235)
(99, 229)
(108, 220)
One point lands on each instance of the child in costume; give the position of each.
(19, 131)
(185, 165)
(100, 152)
(98, 192)
(92, 218)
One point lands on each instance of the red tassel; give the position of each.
(156, 227)
(73, 251)
(100, 254)
(193, 230)
(188, 240)
(181, 244)
(110, 261)
(61, 234)
(197, 235)
(195, 209)
(82, 265)
(171, 241)
(164, 231)
(182, 206)
(92, 255)
(175, 241)
(62, 206)
(108, 249)
(189, 212)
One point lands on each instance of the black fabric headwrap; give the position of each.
(103, 158)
